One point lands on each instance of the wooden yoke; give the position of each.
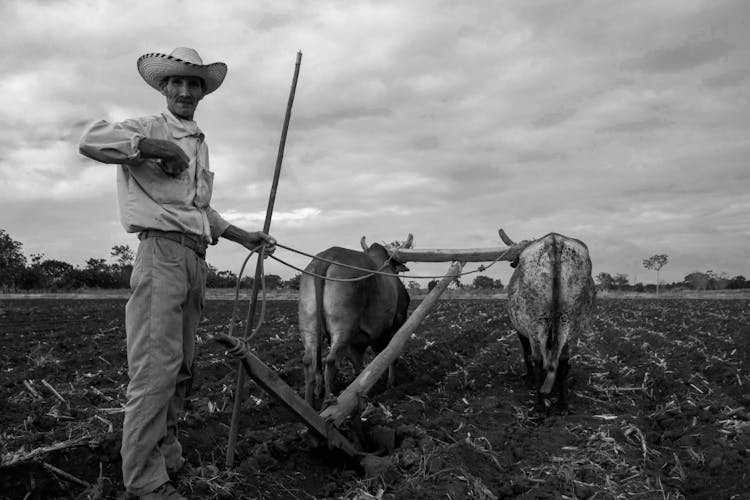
(509, 253)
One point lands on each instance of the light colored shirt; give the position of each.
(149, 198)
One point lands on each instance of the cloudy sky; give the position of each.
(623, 124)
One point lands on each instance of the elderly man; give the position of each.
(164, 189)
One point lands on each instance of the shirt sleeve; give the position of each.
(218, 224)
(113, 142)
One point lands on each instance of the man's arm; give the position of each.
(250, 240)
(126, 143)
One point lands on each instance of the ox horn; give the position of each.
(409, 241)
(505, 238)
(364, 244)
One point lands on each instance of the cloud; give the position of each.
(727, 79)
(253, 219)
(638, 126)
(621, 123)
(683, 56)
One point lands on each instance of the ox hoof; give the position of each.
(543, 405)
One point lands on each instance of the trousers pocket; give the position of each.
(135, 273)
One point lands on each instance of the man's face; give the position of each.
(183, 94)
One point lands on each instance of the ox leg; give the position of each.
(332, 362)
(561, 379)
(331, 369)
(311, 340)
(531, 371)
(313, 379)
(391, 377)
(357, 357)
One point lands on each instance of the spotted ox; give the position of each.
(550, 297)
(352, 314)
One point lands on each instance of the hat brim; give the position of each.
(155, 67)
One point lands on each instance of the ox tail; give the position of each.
(553, 334)
(319, 286)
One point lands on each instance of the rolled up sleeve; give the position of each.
(113, 142)
(218, 224)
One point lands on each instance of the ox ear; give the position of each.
(364, 244)
(399, 267)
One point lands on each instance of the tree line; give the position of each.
(38, 273)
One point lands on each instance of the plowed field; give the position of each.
(660, 391)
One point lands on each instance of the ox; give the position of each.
(550, 297)
(352, 314)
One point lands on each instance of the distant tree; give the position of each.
(413, 286)
(221, 279)
(605, 280)
(738, 282)
(55, 270)
(293, 282)
(12, 260)
(96, 264)
(498, 284)
(483, 283)
(123, 267)
(98, 274)
(697, 280)
(33, 277)
(30, 278)
(620, 280)
(123, 254)
(718, 281)
(432, 284)
(655, 263)
(273, 281)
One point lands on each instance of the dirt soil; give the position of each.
(660, 391)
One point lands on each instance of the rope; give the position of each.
(369, 272)
(261, 318)
(239, 349)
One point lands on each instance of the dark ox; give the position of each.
(550, 297)
(352, 314)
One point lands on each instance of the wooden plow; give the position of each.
(325, 425)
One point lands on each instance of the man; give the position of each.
(164, 190)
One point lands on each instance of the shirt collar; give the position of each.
(180, 128)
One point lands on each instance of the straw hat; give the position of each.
(183, 61)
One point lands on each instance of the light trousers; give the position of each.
(161, 318)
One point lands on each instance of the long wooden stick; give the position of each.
(348, 400)
(239, 392)
(460, 254)
(509, 253)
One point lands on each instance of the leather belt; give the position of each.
(190, 241)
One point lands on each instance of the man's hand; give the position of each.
(257, 238)
(251, 240)
(173, 162)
